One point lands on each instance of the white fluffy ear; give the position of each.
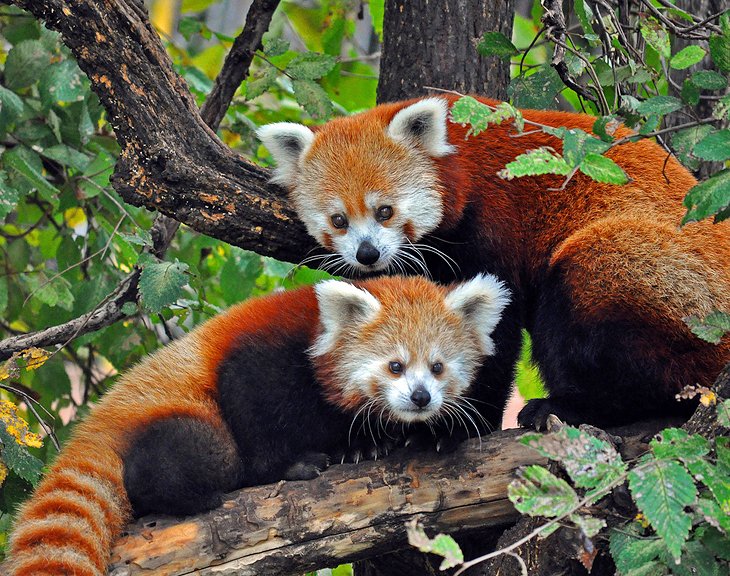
(480, 301)
(341, 305)
(424, 124)
(287, 142)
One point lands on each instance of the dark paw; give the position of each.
(535, 414)
(365, 451)
(443, 443)
(309, 466)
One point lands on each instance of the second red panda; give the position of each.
(602, 275)
(268, 390)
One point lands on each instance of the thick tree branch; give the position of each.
(351, 512)
(171, 161)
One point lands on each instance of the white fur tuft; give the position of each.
(287, 142)
(423, 124)
(341, 306)
(480, 301)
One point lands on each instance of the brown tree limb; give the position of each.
(349, 513)
(171, 161)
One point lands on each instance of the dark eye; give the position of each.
(383, 213)
(437, 368)
(395, 367)
(339, 220)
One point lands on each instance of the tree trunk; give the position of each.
(433, 43)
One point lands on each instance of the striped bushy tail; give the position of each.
(70, 522)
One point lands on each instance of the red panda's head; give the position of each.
(406, 349)
(366, 186)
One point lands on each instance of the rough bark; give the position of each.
(171, 161)
(348, 513)
(433, 43)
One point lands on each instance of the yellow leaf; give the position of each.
(3, 472)
(74, 216)
(17, 427)
(36, 357)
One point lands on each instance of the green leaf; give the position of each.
(577, 144)
(687, 57)
(539, 90)
(723, 413)
(708, 80)
(589, 525)
(26, 61)
(585, 16)
(690, 93)
(52, 292)
(713, 514)
(310, 66)
(708, 198)
(160, 283)
(720, 45)
(674, 443)
(534, 163)
(17, 160)
(603, 169)
(684, 141)
(605, 127)
(710, 476)
(18, 459)
(655, 35)
(3, 293)
(275, 46)
(377, 14)
(260, 82)
(631, 552)
(442, 545)
(538, 492)
(238, 275)
(589, 461)
(11, 106)
(714, 147)
(716, 542)
(479, 116)
(312, 98)
(659, 105)
(711, 328)
(189, 26)
(129, 308)
(8, 195)
(662, 489)
(496, 44)
(67, 156)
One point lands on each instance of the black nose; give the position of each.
(367, 253)
(420, 397)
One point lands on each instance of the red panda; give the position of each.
(602, 275)
(266, 391)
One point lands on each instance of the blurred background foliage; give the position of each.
(67, 239)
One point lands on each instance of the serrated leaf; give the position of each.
(709, 198)
(129, 308)
(238, 275)
(534, 163)
(650, 569)
(687, 57)
(275, 46)
(720, 50)
(631, 552)
(585, 16)
(14, 159)
(11, 106)
(605, 127)
(160, 283)
(711, 328)
(539, 90)
(260, 82)
(577, 144)
(312, 98)
(62, 82)
(67, 156)
(25, 63)
(18, 459)
(52, 292)
(538, 492)
(655, 35)
(710, 476)
(659, 105)
(479, 116)
(708, 80)
(717, 543)
(603, 169)
(442, 544)
(496, 44)
(713, 514)
(714, 147)
(589, 461)
(310, 66)
(675, 443)
(684, 141)
(662, 489)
